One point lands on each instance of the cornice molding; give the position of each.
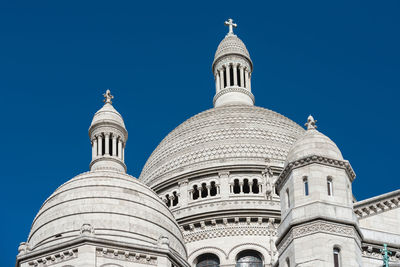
(314, 159)
(377, 205)
(234, 89)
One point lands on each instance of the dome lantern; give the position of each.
(108, 137)
(232, 68)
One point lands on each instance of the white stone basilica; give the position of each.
(235, 185)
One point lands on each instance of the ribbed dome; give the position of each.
(116, 205)
(231, 44)
(108, 114)
(314, 143)
(223, 136)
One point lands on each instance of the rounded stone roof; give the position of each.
(116, 205)
(223, 136)
(108, 114)
(231, 44)
(314, 143)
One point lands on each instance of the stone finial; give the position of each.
(23, 248)
(311, 123)
(108, 97)
(163, 241)
(87, 230)
(230, 23)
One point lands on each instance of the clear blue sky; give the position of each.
(338, 61)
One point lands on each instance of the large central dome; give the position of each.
(222, 136)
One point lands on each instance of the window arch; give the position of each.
(195, 192)
(336, 257)
(249, 258)
(305, 182)
(236, 186)
(204, 190)
(329, 185)
(287, 262)
(246, 187)
(255, 188)
(287, 198)
(175, 199)
(207, 260)
(213, 189)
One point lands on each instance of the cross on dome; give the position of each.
(231, 25)
(311, 123)
(108, 97)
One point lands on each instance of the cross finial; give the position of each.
(231, 25)
(108, 97)
(311, 123)
(386, 253)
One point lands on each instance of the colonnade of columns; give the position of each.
(241, 79)
(97, 146)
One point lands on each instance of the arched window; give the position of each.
(336, 257)
(213, 189)
(329, 184)
(249, 258)
(246, 187)
(207, 260)
(195, 192)
(168, 201)
(204, 190)
(236, 186)
(254, 187)
(175, 201)
(305, 182)
(287, 199)
(287, 262)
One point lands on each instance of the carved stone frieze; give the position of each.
(125, 255)
(235, 228)
(317, 227)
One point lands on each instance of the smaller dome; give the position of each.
(313, 143)
(108, 114)
(231, 44)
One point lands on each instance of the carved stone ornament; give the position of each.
(87, 230)
(128, 256)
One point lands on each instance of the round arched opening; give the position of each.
(207, 260)
(249, 258)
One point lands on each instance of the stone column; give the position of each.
(107, 144)
(241, 187)
(246, 76)
(208, 190)
(123, 152)
(114, 145)
(235, 80)
(228, 75)
(94, 148)
(120, 148)
(217, 81)
(241, 76)
(222, 78)
(249, 79)
(251, 187)
(99, 145)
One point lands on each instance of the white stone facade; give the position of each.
(231, 184)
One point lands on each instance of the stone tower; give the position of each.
(232, 68)
(318, 225)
